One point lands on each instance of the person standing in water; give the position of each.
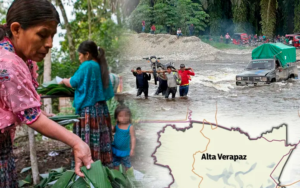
(162, 86)
(142, 84)
(185, 77)
(172, 85)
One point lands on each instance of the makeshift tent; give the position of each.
(285, 54)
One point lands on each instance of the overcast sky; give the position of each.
(57, 39)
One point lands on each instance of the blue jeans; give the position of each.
(183, 90)
(143, 29)
(178, 35)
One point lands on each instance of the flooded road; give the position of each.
(254, 109)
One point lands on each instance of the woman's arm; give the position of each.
(66, 82)
(132, 141)
(52, 130)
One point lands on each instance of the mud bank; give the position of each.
(172, 49)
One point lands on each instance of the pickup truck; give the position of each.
(270, 63)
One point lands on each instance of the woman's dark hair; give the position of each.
(98, 54)
(28, 13)
(121, 108)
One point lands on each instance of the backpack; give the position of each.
(177, 79)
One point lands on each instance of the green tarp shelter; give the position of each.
(285, 54)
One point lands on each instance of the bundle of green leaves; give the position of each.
(97, 176)
(65, 119)
(56, 89)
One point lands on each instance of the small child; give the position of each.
(124, 140)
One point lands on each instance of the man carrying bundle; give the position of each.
(185, 74)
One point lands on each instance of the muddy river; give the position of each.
(253, 109)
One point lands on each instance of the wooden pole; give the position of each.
(89, 19)
(33, 158)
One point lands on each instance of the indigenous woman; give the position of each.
(24, 39)
(92, 89)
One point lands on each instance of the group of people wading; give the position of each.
(167, 84)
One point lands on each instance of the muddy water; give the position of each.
(253, 109)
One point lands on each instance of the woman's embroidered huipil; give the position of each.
(88, 85)
(19, 101)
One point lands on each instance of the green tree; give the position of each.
(239, 10)
(142, 12)
(161, 14)
(104, 32)
(168, 15)
(268, 15)
(2, 13)
(215, 16)
(297, 16)
(214, 8)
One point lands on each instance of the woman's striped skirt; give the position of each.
(94, 128)
(8, 175)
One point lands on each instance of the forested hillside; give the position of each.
(216, 17)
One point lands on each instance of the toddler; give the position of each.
(124, 140)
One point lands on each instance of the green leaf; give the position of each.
(63, 117)
(58, 170)
(97, 175)
(130, 172)
(28, 179)
(64, 180)
(117, 176)
(25, 169)
(44, 176)
(122, 170)
(79, 183)
(22, 183)
(42, 183)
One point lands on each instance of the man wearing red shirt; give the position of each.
(185, 77)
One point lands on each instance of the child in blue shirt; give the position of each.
(124, 140)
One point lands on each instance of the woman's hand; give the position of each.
(66, 82)
(52, 130)
(82, 156)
